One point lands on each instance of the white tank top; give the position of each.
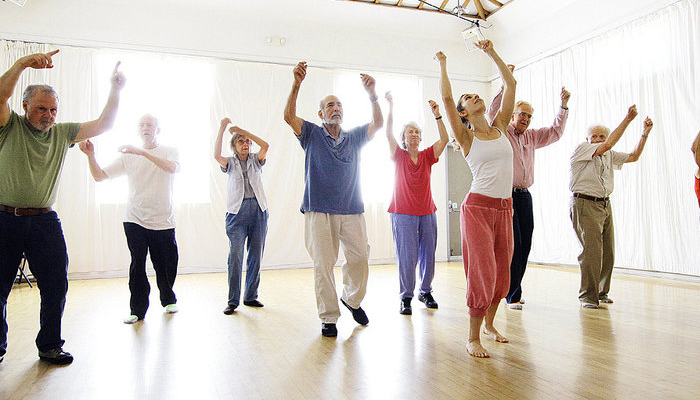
(491, 163)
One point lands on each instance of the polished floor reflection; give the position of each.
(645, 345)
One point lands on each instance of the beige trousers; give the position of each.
(593, 223)
(323, 233)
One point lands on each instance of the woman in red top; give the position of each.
(413, 221)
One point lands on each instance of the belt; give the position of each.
(520, 190)
(591, 198)
(25, 212)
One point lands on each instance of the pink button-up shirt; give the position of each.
(525, 143)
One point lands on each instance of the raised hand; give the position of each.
(511, 67)
(118, 79)
(565, 95)
(129, 149)
(389, 98)
(435, 108)
(300, 72)
(440, 57)
(38, 60)
(86, 147)
(632, 113)
(236, 129)
(485, 45)
(648, 124)
(225, 122)
(368, 83)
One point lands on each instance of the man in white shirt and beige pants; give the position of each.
(592, 182)
(149, 223)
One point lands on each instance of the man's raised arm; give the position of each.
(634, 155)
(109, 113)
(377, 117)
(8, 80)
(290, 110)
(617, 133)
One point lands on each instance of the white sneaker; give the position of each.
(131, 319)
(171, 309)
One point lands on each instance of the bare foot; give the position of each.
(493, 334)
(475, 349)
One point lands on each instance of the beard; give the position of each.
(42, 126)
(331, 121)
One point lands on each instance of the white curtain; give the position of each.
(190, 96)
(651, 62)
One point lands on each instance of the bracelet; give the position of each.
(645, 136)
(374, 98)
(437, 118)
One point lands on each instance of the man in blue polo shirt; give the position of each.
(332, 205)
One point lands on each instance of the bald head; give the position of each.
(597, 134)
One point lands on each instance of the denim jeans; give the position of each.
(163, 248)
(415, 240)
(40, 238)
(249, 223)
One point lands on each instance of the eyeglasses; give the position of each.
(524, 115)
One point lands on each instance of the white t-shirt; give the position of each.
(150, 188)
(491, 163)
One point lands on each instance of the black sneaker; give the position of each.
(428, 300)
(253, 303)
(329, 330)
(358, 314)
(229, 309)
(406, 307)
(56, 356)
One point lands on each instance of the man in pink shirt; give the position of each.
(524, 142)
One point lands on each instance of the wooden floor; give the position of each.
(646, 345)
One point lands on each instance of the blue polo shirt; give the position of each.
(332, 169)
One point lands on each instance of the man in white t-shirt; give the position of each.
(149, 223)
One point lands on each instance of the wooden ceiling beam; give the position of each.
(419, 8)
(444, 3)
(497, 3)
(480, 9)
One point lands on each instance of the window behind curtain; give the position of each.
(177, 91)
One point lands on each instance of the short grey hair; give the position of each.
(153, 117)
(523, 103)
(234, 139)
(603, 127)
(31, 90)
(409, 124)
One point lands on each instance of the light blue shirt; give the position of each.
(236, 185)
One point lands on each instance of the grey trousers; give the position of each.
(593, 223)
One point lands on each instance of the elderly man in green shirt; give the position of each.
(32, 151)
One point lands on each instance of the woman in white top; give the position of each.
(246, 212)
(487, 211)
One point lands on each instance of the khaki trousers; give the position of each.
(593, 223)
(323, 233)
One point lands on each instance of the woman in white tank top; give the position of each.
(487, 211)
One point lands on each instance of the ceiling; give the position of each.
(475, 9)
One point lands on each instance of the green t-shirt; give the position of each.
(31, 162)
